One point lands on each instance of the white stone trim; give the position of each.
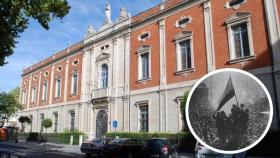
(66, 80)
(227, 5)
(183, 18)
(51, 85)
(154, 18)
(162, 52)
(209, 36)
(144, 39)
(37, 96)
(29, 92)
(273, 26)
(177, 85)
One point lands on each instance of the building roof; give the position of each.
(69, 50)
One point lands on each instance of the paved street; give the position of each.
(48, 150)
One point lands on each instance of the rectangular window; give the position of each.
(33, 94)
(58, 87)
(72, 121)
(74, 84)
(144, 119)
(45, 91)
(145, 66)
(41, 118)
(241, 46)
(55, 122)
(185, 54)
(24, 97)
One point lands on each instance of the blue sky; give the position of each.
(36, 43)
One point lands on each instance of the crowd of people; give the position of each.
(219, 130)
(233, 129)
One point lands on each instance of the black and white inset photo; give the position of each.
(229, 111)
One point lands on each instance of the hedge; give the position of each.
(59, 138)
(144, 135)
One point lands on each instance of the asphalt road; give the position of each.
(48, 151)
(29, 153)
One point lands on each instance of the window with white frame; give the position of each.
(144, 118)
(33, 94)
(24, 94)
(74, 85)
(184, 51)
(104, 76)
(240, 36)
(72, 120)
(144, 63)
(58, 87)
(45, 90)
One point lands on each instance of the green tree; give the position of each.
(23, 120)
(14, 19)
(183, 110)
(47, 123)
(9, 105)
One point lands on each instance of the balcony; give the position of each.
(100, 97)
(100, 93)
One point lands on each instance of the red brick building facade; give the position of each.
(151, 59)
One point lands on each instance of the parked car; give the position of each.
(95, 146)
(124, 147)
(203, 152)
(159, 147)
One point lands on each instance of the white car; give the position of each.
(203, 152)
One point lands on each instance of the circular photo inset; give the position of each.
(229, 111)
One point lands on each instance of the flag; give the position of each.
(227, 95)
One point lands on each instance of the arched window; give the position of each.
(104, 76)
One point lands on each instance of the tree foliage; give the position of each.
(47, 123)
(183, 109)
(24, 119)
(9, 105)
(14, 18)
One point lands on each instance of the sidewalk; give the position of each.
(36, 146)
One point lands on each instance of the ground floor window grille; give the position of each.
(55, 122)
(144, 119)
(72, 121)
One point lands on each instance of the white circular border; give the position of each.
(229, 70)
